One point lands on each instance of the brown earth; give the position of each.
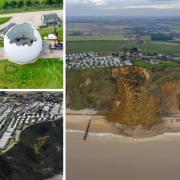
(128, 97)
(137, 103)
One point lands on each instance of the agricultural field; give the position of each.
(109, 46)
(97, 38)
(43, 74)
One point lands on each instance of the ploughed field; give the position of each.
(129, 96)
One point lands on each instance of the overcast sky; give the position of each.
(123, 7)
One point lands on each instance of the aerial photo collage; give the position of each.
(89, 89)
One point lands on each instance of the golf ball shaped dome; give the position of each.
(22, 44)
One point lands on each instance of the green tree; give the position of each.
(49, 2)
(20, 4)
(59, 1)
(36, 2)
(6, 5)
(13, 4)
(28, 3)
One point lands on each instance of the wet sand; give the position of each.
(121, 158)
(105, 156)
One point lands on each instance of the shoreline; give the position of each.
(77, 122)
(106, 134)
(110, 155)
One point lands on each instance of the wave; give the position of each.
(106, 134)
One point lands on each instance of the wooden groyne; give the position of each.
(87, 129)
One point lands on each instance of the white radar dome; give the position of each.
(22, 44)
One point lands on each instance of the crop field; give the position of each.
(108, 46)
(97, 38)
(81, 27)
(50, 30)
(43, 74)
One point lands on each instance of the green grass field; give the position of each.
(43, 74)
(97, 38)
(165, 64)
(4, 19)
(104, 46)
(50, 30)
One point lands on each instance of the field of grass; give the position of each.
(43, 74)
(4, 19)
(103, 46)
(50, 30)
(165, 64)
(97, 38)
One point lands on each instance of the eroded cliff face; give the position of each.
(136, 103)
(129, 96)
(170, 98)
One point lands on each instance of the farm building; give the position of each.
(51, 19)
(22, 44)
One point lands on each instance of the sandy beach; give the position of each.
(105, 156)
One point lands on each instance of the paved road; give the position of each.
(33, 18)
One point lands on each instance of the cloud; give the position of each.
(120, 4)
(170, 5)
(110, 6)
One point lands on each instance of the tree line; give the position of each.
(28, 3)
(161, 37)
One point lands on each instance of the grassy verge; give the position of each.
(50, 30)
(43, 74)
(4, 19)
